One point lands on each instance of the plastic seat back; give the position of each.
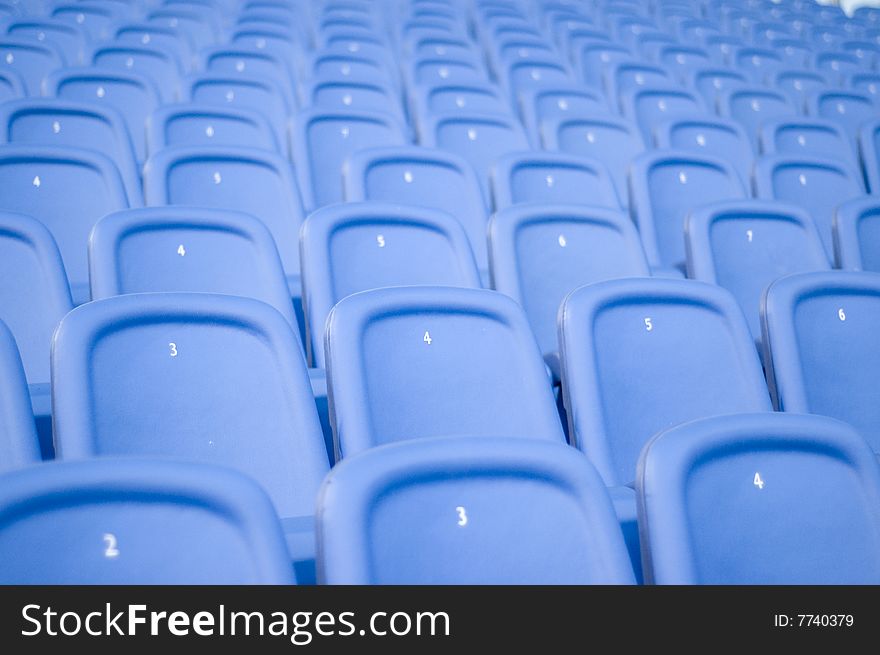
(857, 235)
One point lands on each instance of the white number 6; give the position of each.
(462, 516)
(841, 315)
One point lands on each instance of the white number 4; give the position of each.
(649, 325)
(181, 250)
(427, 338)
(758, 482)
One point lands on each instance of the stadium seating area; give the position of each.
(439, 292)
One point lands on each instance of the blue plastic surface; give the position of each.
(647, 105)
(814, 137)
(849, 109)
(138, 522)
(814, 183)
(19, 446)
(869, 150)
(353, 247)
(717, 137)
(541, 252)
(664, 187)
(857, 235)
(253, 181)
(469, 511)
(52, 122)
(641, 355)
(30, 59)
(156, 63)
(820, 347)
(412, 362)
(183, 249)
(752, 106)
(745, 245)
(322, 141)
(194, 124)
(760, 499)
(422, 177)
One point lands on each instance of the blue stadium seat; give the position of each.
(756, 62)
(245, 63)
(752, 106)
(338, 93)
(255, 93)
(155, 63)
(591, 57)
(481, 139)
(190, 249)
(807, 136)
(322, 141)
(349, 65)
(624, 76)
(814, 183)
(449, 99)
(194, 124)
(110, 522)
(642, 355)
(681, 60)
(721, 47)
(603, 137)
(423, 177)
(133, 95)
(253, 181)
(820, 347)
(648, 105)
(540, 253)
(866, 82)
(837, 65)
(869, 151)
(556, 101)
(798, 84)
(66, 189)
(53, 122)
(385, 388)
(95, 19)
(68, 39)
(711, 81)
(745, 245)
(360, 246)
(666, 185)
(19, 446)
(34, 296)
(533, 73)
(269, 37)
(849, 109)
(201, 23)
(30, 59)
(170, 40)
(759, 499)
(11, 85)
(519, 512)
(866, 52)
(551, 178)
(203, 377)
(857, 235)
(717, 137)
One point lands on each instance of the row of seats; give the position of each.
(217, 203)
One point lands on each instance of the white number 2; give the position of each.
(462, 516)
(181, 250)
(427, 338)
(758, 482)
(173, 348)
(649, 325)
(841, 315)
(111, 550)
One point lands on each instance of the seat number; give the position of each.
(462, 516)
(172, 349)
(181, 250)
(649, 324)
(110, 549)
(758, 482)
(427, 338)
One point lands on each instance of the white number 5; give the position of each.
(462, 516)
(649, 325)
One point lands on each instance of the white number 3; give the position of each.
(758, 482)
(462, 516)
(111, 550)
(173, 348)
